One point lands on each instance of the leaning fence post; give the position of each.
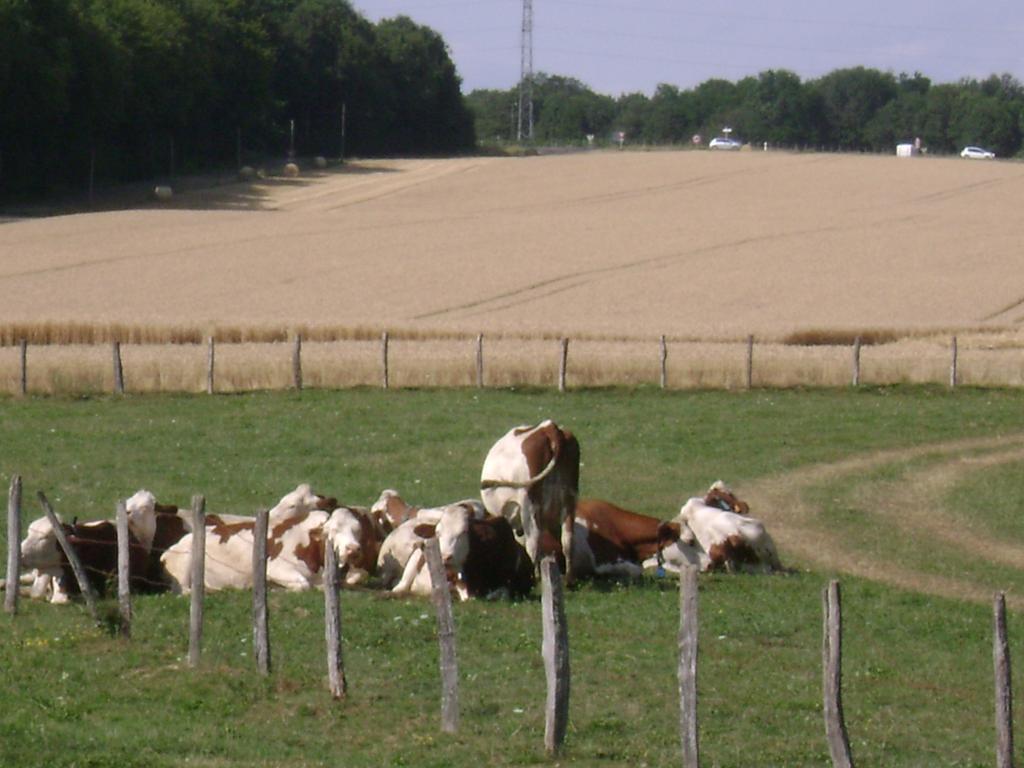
(688, 666)
(441, 595)
(297, 362)
(124, 583)
(555, 650)
(332, 619)
(1004, 693)
(384, 354)
(118, 370)
(750, 361)
(832, 657)
(563, 364)
(210, 359)
(72, 555)
(13, 545)
(952, 365)
(197, 581)
(856, 362)
(480, 360)
(260, 617)
(664, 362)
(23, 388)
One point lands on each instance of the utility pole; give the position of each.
(525, 127)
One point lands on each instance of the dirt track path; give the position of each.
(911, 505)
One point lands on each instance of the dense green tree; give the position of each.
(851, 98)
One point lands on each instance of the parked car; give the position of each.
(977, 153)
(724, 142)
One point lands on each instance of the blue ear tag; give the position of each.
(660, 572)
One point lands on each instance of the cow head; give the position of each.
(301, 501)
(39, 548)
(452, 533)
(356, 540)
(720, 495)
(390, 510)
(141, 508)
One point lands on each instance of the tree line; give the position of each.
(852, 109)
(132, 89)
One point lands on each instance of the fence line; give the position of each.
(260, 612)
(441, 596)
(618, 363)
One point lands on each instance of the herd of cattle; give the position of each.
(529, 507)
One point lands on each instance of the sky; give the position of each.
(627, 46)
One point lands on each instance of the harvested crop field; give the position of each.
(599, 246)
(616, 243)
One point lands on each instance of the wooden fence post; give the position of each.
(563, 364)
(952, 365)
(76, 565)
(332, 619)
(441, 596)
(688, 666)
(118, 370)
(664, 363)
(856, 362)
(13, 545)
(23, 388)
(260, 617)
(210, 358)
(197, 581)
(124, 583)
(297, 362)
(750, 361)
(1004, 693)
(555, 651)
(384, 354)
(832, 657)
(480, 360)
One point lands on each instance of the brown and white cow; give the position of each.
(95, 544)
(295, 541)
(730, 541)
(479, 552)
(610, 540)
(531, 478)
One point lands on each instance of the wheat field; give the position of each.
(611, 249)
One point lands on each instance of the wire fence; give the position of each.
(387, 362)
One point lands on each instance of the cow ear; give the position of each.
(424, 531)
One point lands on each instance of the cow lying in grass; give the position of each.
(713, 536)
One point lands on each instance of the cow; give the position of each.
(479, 552)
(531, 478)
(610, 540)
(356, 535)
(730, 541)
(95, 544)
(295, 540)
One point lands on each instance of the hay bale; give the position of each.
(162, 192)
(291, 170)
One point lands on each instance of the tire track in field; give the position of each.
(535, 291)
(911, 504)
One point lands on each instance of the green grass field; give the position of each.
(917, 667)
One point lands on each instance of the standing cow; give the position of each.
(531, 477)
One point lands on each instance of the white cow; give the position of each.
(294, 547)
(531, 477)
(402, 564)
(728, 540)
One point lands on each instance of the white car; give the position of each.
(723, 142)
(977, 153)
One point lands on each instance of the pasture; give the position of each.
(909, 495)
